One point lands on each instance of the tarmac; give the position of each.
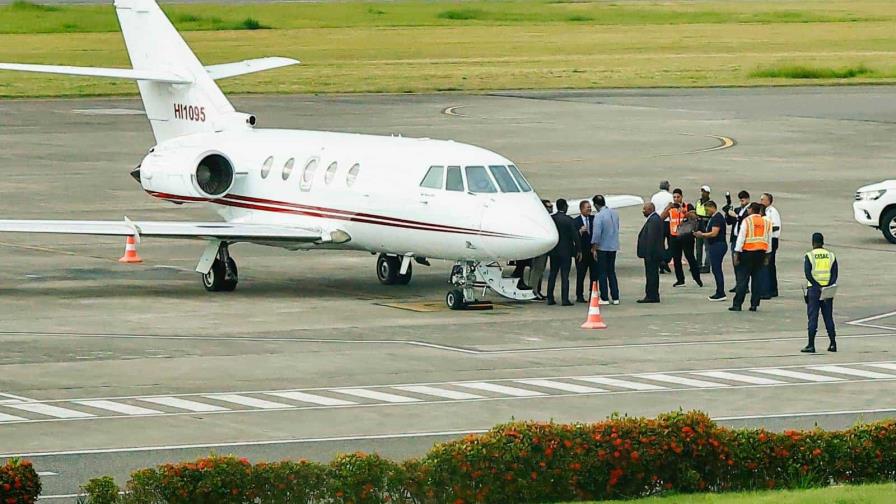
(107, 367)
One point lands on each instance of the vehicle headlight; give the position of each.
(870, 195)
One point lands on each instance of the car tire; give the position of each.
(888, 225)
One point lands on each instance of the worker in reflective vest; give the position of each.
(751, 254)
(820, 268)
(681, 239)
(703, 215)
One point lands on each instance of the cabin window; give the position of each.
(308, 174)
(454, 181)
(352, 174)
(503, 178)
(524, 184)
(287, 168)
(478, 180)
(331, 172)
(266, 167)
(433, 178)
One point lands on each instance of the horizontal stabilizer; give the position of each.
(244, 67)
(612, 200)
(118, 73)
(199, 230)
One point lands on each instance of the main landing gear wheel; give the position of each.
(455, 299)
(388, 270)
(223, 275)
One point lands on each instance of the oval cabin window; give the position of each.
(266, 167)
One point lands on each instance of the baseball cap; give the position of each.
(705, 188)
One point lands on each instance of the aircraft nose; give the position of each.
(520, 230)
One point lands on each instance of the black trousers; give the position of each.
(681, 245)
(717, 252)
(750, 271)
(585, 267)
(771, 271)
(652, 272)
(815, 304)
(606, 275)
(560, 265)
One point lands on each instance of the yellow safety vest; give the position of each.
(758, 230)
(822, 262)
(700, 209)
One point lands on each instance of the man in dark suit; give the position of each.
(585, 263)
(561, 256)
(650, 248)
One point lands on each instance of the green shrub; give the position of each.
(25, 5)
(805, 72)
(252, 24)
(19, 483)
(462, 14)
(101, 491)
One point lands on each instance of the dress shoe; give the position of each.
(522, 286)
(766, 298)
(754, 308)
(832, 347)
(678, 284)
(648, 300)
(733, 290)
(567, 303)
(699, 282)
(808, 349)
(551, 302)
(718, 297)
(580, 299)
(734, 308)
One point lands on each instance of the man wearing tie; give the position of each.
(585, 263)
(561, 256)
(650, 248)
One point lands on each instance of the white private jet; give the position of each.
(402, 198)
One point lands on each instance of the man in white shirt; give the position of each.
(771, 272)
(660, 201)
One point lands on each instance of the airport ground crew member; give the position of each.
(703, 215)
(681, 240)
(771, 272)
(751, 255)
(734, 216)
(821, 270)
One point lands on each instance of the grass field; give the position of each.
(865, 494)
(418, 46)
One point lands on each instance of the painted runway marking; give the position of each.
(724, 375)
(378, 396)
(798, 375)
(557, 385)
(117, 407)
(46, 473)
(248, 401)
(184, 404)
(884, 365)
(851, 372)
(311, 398)
(108, 111)
(10, 418)
(438, 392)
(501, 389)
(50, 410)
(864, 321)
(13, 398)
(679, 380)
(613, 382)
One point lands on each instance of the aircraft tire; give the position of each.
(230, 285)
(406, 278)
(387, 268)
(455, 299)
(213, 281)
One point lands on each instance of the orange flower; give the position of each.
(816, 452)
(635, 456)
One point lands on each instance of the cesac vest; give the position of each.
(822, 261)
(676, 217)
(758, 231)
(700, 209)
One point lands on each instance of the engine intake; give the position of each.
(214, 175)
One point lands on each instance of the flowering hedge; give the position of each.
(546, 462)
(19, 483)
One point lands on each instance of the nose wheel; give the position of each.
(463, 278)
(455, 299)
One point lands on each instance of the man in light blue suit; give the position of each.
(604, 245)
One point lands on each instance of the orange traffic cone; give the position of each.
(595, 321)
(130, 252)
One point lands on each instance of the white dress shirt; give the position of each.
(661, 200)
(775, 216)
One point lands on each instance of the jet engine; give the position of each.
(187, 173)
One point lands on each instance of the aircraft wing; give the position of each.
(613, 201)
(197, 230)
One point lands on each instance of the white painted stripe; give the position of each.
(438, 392)
(311, 398)
(127, 409)
(46, 473)
(884, 365)
(501, 389)
(566, 387)
(377, 396)
(184, 404)
(852, 372)
(614, 382)
(14, 397)
(251, 402)
(797, 375)
(680, 380)
(724, 375)
(9, 418)
(50, 410)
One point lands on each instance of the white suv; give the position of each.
(875, 206)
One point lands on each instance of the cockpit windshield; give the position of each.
(524, 184)
(504, 179)
(478, 180)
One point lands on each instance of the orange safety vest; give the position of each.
(758, 230)
(676, 217)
